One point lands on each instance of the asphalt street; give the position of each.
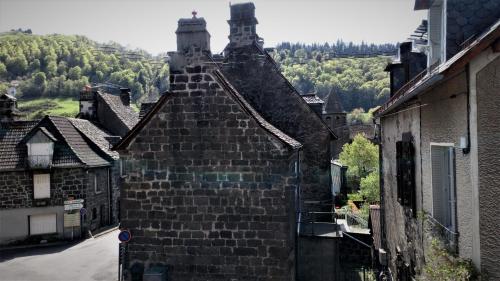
(94, 259)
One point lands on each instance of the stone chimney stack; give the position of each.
(8, 108)
(243, 25)
(88, 103)
(187, 65)
(125, 96)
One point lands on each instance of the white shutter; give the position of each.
(43, 224)
(41, 184)
(443, 193)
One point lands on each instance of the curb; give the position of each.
(97, 235)
(31, 246)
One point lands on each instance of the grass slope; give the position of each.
(37, 108)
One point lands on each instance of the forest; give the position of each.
(58, 66)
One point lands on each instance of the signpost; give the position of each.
(72, 217)
(124, 236)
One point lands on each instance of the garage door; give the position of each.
(43, 224)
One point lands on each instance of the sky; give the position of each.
(151, 24)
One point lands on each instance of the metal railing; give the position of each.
(447, 236)
(351, 218)
(39, 161)
(358, 274)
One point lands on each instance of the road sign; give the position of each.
(73, 207)
(83, 211)
(76, 201)
(71, 220)
(124, 235)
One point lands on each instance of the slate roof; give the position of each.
(96, 134)
(333, 104)
(71, 149)
(125, 113)
(312, 99)
(79, 146)
(12, 153)
(145, 107)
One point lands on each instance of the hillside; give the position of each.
(52, 69)
(359, 79)
(58, 66)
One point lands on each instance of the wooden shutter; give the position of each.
(41, 186)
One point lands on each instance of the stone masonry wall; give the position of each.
(17, 187)
(256, 77)
(208, 192)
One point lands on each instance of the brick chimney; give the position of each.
(242, 26)
(193, 50)
(8, 108)
(125, 96)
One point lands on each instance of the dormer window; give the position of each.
(40, 149)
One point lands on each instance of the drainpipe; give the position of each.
(466, 150)
(298, 218)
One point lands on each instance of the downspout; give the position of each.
(110, 196)
(466, 150)
(298, 214)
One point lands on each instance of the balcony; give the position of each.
(40, 161)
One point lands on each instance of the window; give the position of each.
(443, 185)
(405, 158)
(99, 180)
(41, 186)
(94, 213)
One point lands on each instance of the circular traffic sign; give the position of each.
(83, 211)
(124, 235)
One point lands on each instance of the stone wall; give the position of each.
(260, 82)
(97, 202)
(400, 230)
(208, 192)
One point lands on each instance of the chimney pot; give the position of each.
(125, 96)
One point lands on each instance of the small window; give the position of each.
(41, 186)
(99, 180)
(405, 161)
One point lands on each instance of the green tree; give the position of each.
(40, 79)
(369, 187)
(75, 73)
(3, 70)
(17, 65)
(361, 157)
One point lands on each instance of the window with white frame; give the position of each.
(443, 185)
(41, 186)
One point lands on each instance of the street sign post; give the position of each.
(124, 236)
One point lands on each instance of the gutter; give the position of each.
(413, 92)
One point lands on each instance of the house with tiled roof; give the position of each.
(111, 111)
(50, 169)
(439, 143)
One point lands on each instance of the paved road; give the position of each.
(91, 260)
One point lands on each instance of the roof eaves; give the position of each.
(255, 115)
(273, 62)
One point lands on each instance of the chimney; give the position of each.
(125, 96)
(88, 103)
(242, 25)
(193, 40)
(8, 108)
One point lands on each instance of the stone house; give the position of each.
(213, 172)
(46, 162)
(438, 142)
(257, 77)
